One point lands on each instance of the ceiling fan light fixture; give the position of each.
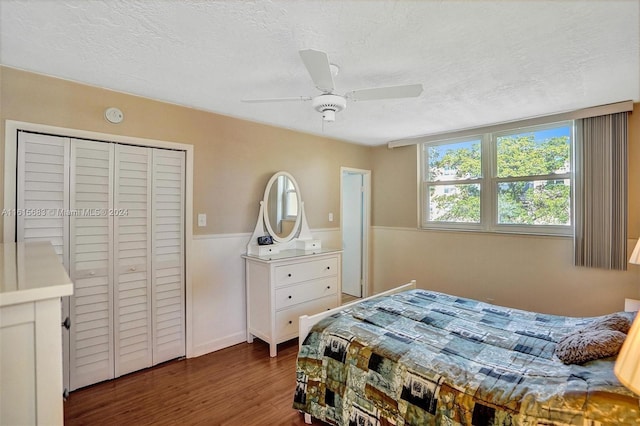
(322, 72)
(328, 105)
(329, 115)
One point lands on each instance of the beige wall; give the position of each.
(394, 197)
(527, 272)
(233, 158)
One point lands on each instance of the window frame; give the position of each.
(489, 182)
(427, 184)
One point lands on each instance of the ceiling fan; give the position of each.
(328, 103)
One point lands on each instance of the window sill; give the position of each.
(497, 232)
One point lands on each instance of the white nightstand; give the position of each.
(631, 305)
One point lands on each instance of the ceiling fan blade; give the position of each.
(317, 63)
(292, 99)
(407, 91)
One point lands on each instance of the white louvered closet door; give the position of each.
(115, 215)
(91, 246)
(42, 191)
(168, 255)
(132, 220)
(42, 187)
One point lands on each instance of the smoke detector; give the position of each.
(113, 115)
(328, 105)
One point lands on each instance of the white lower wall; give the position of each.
(218, 288)
(218, 294)
(526, 272)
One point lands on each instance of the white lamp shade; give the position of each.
(627, 368)
(635, 255)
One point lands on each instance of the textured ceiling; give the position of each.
(481, 62)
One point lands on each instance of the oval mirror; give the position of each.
(282, 207)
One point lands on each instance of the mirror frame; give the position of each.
(296, 227)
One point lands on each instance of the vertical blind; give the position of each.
(600, 205)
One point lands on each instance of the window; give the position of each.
(290, 200)
(454, 181)
(511, 181)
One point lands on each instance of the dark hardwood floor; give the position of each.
(240, 385)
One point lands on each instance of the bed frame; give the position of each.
(306, 322)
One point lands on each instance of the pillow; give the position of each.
(587, 344)
(611, 322)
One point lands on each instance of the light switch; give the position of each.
(202, 219)
(330, 217)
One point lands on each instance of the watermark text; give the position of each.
(65, 212)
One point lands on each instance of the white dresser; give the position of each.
(32, 281)
(283, 286)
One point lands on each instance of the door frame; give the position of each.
(366, 222)
(10, 166)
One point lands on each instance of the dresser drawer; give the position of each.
(309, 290)
(304, 271)
(287, 320)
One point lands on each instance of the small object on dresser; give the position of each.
(265, 240)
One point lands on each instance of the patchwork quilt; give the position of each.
(427, 358)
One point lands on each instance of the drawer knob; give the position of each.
(328, 267)
(288, 275)
(328, 287)
(289, 297)
(290, 322)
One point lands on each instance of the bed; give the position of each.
(417, 357)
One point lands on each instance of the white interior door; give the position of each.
(42, 188)
(115, 215)
(132, 261)
(352, 233)
(168, 286)
(91, 260)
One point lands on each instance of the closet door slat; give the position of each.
(168, 255)
(43, 191)
(42, 184)
(132, 302)
(91, 260)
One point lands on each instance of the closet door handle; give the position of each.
(133, 268)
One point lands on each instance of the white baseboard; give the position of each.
(221, 343)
